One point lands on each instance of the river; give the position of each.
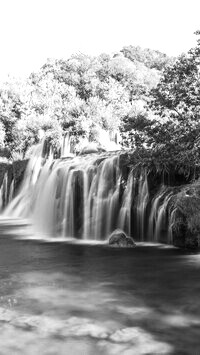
(83, 299)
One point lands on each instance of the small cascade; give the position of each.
(88, 197)
(162, 220)
(102, 198)
(159, 219)
(172, 216)
(155, 205)
(11, 190)
(1, 198)
(4, 192)
(66, 145)
(19, 206)
(124, 221)
(141, 207)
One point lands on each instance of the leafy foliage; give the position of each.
(150, 58)
(169, 125)
(80, 95)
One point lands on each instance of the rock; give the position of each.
(119, 239)
(185, 227)
(88, 150)
(5, 153)
(92, 148)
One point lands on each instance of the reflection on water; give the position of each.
(58, 298)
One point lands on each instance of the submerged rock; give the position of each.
(119, 239)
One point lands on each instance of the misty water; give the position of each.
(63, 290)
(70, 298)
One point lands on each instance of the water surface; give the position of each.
(61, 298)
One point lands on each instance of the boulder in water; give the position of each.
(119, 239)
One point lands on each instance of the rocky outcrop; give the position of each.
(92, 148)
(5, 153)
(119, 239)
(11, 176)
(185, 224)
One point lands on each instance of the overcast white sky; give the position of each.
(33, 30)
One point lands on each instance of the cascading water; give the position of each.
(4, 191)
(124, 221)
(66, 145)
(158, 219)
(141, 208)
(19, 206)
(74, 198)
(87, 197)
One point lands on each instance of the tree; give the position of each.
(176, 99)
(10, 112)
(80, 95)
(150, 58)
(171, 124)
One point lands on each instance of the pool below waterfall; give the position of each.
(65, 298)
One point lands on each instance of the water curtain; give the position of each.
(87, 197)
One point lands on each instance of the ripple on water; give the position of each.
(25, 334)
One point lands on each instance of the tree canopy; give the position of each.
(79, 95)
(170, 124)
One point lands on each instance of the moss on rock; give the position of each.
(12, 172)
(186, 218)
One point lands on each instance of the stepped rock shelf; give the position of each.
(89, 197)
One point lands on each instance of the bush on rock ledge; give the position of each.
(186, 217)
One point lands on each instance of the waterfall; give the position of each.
(74, 198)
(66, 145)
(141, 208)
(125, 210)
(88, 197)
(1, 197)
(159, 219)
(4, 191)
(11, 190)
